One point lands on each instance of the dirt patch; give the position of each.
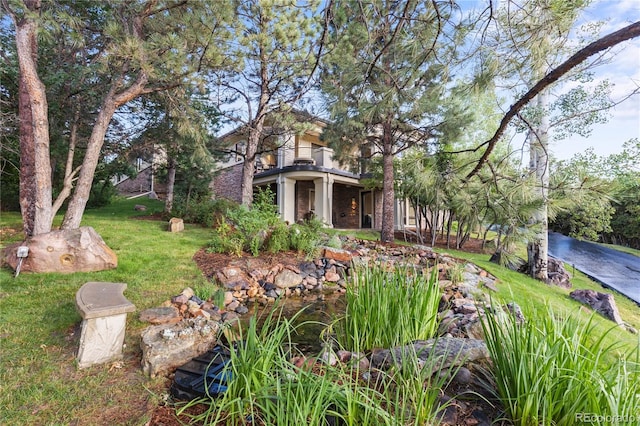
(210, 263)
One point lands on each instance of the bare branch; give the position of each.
(606, 42)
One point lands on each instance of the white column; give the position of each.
(323, 201)
(287, 198)
(329, 201)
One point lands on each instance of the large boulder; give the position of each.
(557, 274)
(68, 250)
(599, 302)
(449, 351)
(165, 348)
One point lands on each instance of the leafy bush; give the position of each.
(386, 309)
(225, 239)
(279, 239)
(334, 242)
(101, 195)
(203, 210)
(306, 236)
(260, 228)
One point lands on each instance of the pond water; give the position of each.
(309, 324)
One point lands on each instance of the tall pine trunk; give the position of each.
(171, 182)
(35, 166)
(388, 194)
(78, 202)
(248, 166)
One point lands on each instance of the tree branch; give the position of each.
(624, 34)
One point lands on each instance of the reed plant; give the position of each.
(388, 308)
(553, 369)
(266, 388)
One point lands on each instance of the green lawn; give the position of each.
(533, 294)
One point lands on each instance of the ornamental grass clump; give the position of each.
(265, 388)
(554, 370)
(388, 308)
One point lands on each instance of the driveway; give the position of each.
(614, 269)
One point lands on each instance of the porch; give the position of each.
(338, 201)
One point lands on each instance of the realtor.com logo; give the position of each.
(601, 419)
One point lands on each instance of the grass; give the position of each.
(268, 389)
(370, 321)
(39, 381)
(555, 357)
(623, 249)
(537, 296)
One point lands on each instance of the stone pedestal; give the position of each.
(104, 310)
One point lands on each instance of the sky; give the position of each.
(624, 72)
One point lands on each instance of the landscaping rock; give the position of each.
(233, 278)
(287, 279)
(600, 302)
(455, 351)
(166, 348)
(337, 254)
(163, 315)
(67, 251)
(557, 274)
(176, 225)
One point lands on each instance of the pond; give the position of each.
(310, 324)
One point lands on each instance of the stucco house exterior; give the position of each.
(300, 169)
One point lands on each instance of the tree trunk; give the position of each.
(27, 162)
(388, 195)
(248, 166)
(537, 250)
(171, 181)
(36, 193)
(78, 202)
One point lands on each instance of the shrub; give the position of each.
(225, 239)
(279, 239)
(203, 211)
(260, 228)
(306, 236)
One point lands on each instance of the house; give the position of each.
(145, 182)
(300, 169)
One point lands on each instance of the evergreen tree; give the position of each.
(386, 81)
(122, 50)
(275, 53)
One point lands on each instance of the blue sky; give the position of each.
(624, 72)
